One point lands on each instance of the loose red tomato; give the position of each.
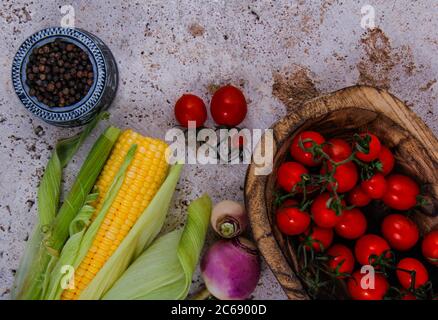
(370, 245)
(352, 224)
(345, 176)
(228, 106)
(190, 108)
(405, 277)
(323, 215)
(308, 139)
(357, 197)
(375, 186)
(372, 147)
(401, 192)
(341, 259)
(292, 221)
(386, 158)
(289, 174)
(338, 149)
(318, 238)
(400, 231)
(359, 292)
(429, 247)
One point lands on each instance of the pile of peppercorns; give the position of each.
(59, 74)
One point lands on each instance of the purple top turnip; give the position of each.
(231, 269)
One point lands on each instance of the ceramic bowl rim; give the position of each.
(75, 111)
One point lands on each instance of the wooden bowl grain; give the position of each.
(341, 113)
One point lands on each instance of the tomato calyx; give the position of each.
(304, 205)
(362, 143)
(367, 170)
(382, 262)
(339, 274)
(315, 149)
(336, 204)
(306, 247)
(307, 183)
(336, 273)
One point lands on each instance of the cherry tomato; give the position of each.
(289, 203)
(408, 296)
(405, 278)
(373, 148)
(299, 154)
(400, 231)
(357, 292)
(375, 186)
(429, 247)
(338, 149)
(322, 214)
(386, 158)
(345, 176)
(228, 106)
(289, 174)
(341, 259)
(401, 192)
(190, 108)
(292, 221)
(357, 197)
(352, 224)
(320, 238)
(370, 245)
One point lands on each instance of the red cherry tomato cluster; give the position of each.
(228, 108)
(329, 190)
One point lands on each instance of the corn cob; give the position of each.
(143, 178)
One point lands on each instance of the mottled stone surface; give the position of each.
(279, 52)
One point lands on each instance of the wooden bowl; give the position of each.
(341, 113)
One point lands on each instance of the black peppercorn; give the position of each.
(59, 73)
(51, 86)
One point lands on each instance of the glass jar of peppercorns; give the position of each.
(65, 76)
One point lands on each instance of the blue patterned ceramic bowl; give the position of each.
(100, 95)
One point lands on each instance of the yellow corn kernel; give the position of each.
(143, 178)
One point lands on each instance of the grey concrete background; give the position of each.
(279, 52)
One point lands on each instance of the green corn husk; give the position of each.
(165, 270)
(82, 186)
(82, 236)
(139, 237)
(32, 275)
(48, 201)
(50, 185)
(71, 247)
